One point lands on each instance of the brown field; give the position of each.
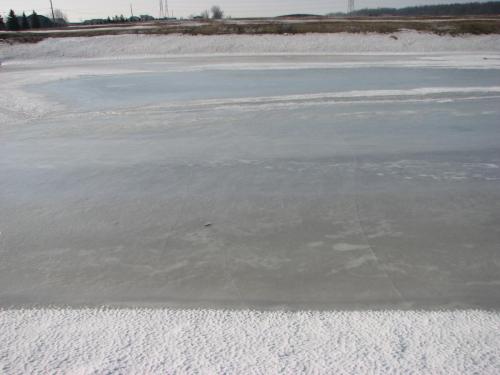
(282, 25)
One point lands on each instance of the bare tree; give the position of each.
(205, 14)
(60, 16)
(217, 12)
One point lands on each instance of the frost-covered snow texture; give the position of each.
(121, 46)
(90, 341)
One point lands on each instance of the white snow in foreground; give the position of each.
(238, 342)
(123, 46)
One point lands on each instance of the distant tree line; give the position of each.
(215, 13)
(33, 21)
(467, 9)
(118, 19)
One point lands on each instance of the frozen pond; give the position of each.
(256, 188)
(112, 91)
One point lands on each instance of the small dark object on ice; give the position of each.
(208, 224)
(394, 37)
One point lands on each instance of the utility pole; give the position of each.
(52, 8)
(166, 8)
(350, 6)
(131, 12)
(162, 13)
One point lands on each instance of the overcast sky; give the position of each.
(84, 9)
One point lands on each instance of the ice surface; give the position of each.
(237, 86)
(330, 193)
(329, 182)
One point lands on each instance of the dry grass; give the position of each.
(449, 26)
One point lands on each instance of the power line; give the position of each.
(350, 6)
(162, 11)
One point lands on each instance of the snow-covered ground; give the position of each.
(124, 46)
(248, 342)
(280, 173)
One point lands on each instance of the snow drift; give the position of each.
(121, 46)
(205, 341)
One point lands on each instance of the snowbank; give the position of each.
(168, 341)
(161, 45)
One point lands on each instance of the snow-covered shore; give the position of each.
(122, 46)
(151, 341)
